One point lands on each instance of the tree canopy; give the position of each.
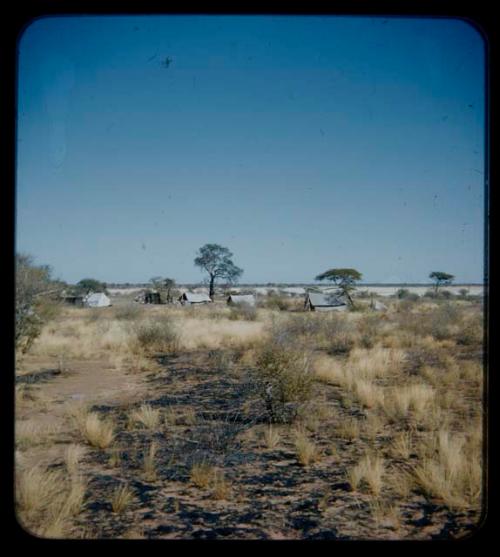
(217, 261)
(440, 278)
(91, 285)
(36, 291)
(340, 276)
(344, 278)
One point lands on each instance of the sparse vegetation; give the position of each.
(384, 406)
(147, 416)
(96, 431)
(121, 498)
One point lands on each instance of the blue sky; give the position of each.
(300, 143)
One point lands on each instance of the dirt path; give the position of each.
(53, 393)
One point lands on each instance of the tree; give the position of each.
(440, 279)
(169, 284)
(87, 285)
(217, 262)
(164, 286)
(36, 293)
(345, 279)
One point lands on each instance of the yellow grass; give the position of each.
(452, 471)
(200, 333)
(221, 487)
(306, 450)
(96, 431)
(36, 488)
(201, 474)
(369, 469)
(121, 498)
(33, 432)
(404, 400)
(72, 457)
(272, 437)
(147, 416)
(149, 463)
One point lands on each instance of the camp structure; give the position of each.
(375, 305)
(74, 300)
(96, 300)
(152, 297)
(241, 299)
(331, 301)
(191, 298)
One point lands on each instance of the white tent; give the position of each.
(194, 298)
(331, 301)
(242, 299)
(96, 300)
(378, 306)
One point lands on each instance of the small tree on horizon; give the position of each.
(87, 285)
(217, 261)
(345, 279)
(441, 279)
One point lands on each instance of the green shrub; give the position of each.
(284, 381)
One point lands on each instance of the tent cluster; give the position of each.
(90, 300)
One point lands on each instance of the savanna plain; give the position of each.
(156, 421)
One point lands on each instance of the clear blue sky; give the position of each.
(300, 143)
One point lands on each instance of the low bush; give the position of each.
(284, 379)
(243, 312)
(160, 335)
(276, 302)
(129, 312)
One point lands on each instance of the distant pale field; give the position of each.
(473, 290)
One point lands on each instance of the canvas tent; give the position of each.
(378, 306)
(194, 298)
(74, 300)
(152, 297)
(96, 300)
(331, 301)
(242, 299)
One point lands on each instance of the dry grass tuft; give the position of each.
(96, 431)
(306, 450)
(46, 500)
(202, 474)
(370, 470)
(147, 416)
(149, 463)
(402, 445)
(272, 437)
(31, 432)
(36, 488)
(450, 472)
(221, 486)
(122, 497)
(409, 401)
(348, 429)
(72, 457)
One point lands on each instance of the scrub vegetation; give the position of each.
(158, 421)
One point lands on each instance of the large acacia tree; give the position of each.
(440, 279)
(217, 261)
(345, 279)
